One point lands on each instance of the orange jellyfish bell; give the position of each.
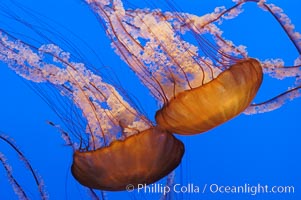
(139, 159)
(203, 108)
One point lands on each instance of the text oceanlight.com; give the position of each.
(250, 189)
(213, 189)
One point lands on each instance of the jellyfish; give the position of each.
(122, 146)
(188, 68)
(192, 82)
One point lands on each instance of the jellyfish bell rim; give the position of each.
(143, 158)
(221, 99)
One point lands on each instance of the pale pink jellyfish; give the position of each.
(179, 73)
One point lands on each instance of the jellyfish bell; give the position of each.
(143, 158)
(203, 108)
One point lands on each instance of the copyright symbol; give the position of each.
(130, 188)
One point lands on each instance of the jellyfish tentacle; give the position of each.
(274, 103)
(15, 184)
(153, 39)
(116, 27)
(37, 179)
(283, 20)
(85, 88)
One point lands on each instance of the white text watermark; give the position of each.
(251, 189)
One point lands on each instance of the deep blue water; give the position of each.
(256, 150)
